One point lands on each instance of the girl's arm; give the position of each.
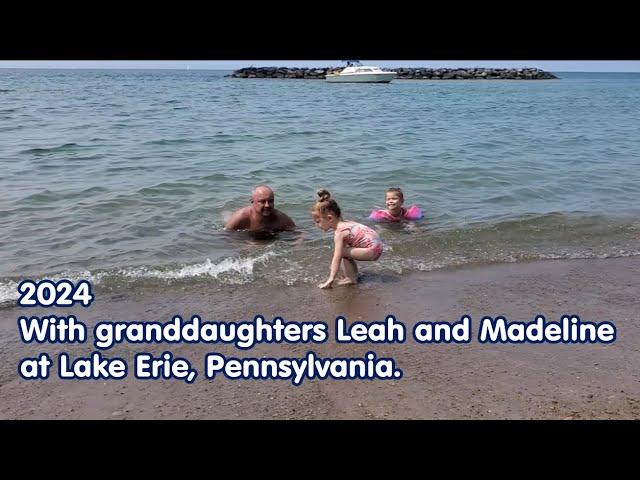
(337, 258)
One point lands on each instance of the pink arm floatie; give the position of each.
(380, 215)
(413, 213)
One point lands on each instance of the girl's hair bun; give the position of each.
(323, 195)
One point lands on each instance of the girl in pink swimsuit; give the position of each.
(353, 241)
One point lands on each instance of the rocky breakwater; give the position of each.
(403, 73)
(474, 74)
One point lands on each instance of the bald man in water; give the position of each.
(261, 215)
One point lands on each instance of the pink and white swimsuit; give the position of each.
(361, 236)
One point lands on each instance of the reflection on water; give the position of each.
(399, 227)
(262, 238)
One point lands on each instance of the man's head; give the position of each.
(262, 201)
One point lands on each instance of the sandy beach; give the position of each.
(455, 381)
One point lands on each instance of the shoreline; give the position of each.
(441, 381)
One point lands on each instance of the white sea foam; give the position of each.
(8, 292)
(242, 270)
(234, 269)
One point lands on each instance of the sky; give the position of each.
(548, 65)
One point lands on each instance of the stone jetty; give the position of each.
(403, 73)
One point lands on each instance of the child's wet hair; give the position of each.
(325, 204)
(397, 191)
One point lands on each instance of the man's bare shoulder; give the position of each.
(239, 220)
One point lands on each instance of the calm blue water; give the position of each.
(127, 176)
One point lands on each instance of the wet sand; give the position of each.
(441, 381)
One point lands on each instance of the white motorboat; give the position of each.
(361, 74)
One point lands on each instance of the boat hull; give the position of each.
(361, 78)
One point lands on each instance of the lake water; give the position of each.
(127, 176)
